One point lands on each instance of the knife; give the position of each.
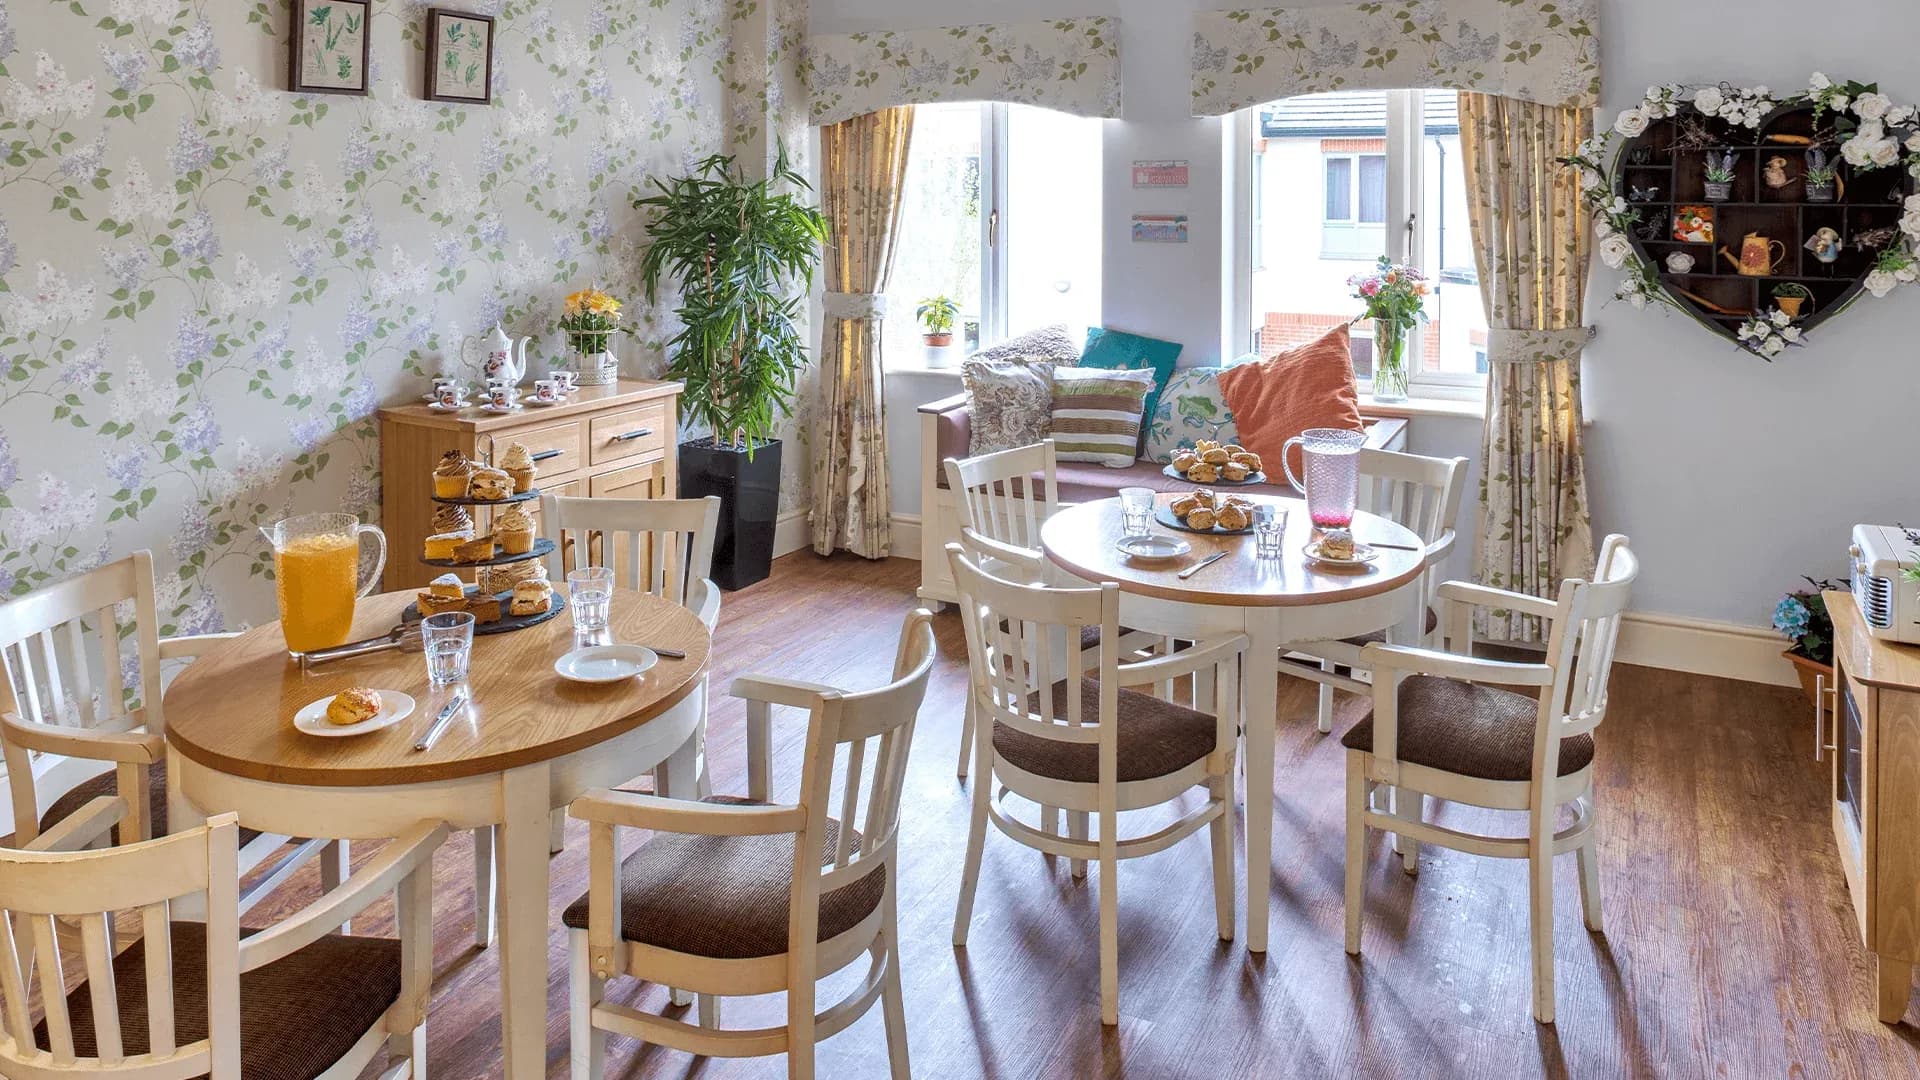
(1393, 547)
(667, 654)
(1202, 565)
(440, 723)
(404, 636)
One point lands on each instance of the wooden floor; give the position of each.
(1728, 950)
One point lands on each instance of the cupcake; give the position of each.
(514, 530)
(450, 518)
(518, 464)
(531, 597)
(450, 476)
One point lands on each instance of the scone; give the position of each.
(443, 545)
(1204, 474)
(1336, 544)
(1216, 456)
(1183, 504)
(490, 485)
(450, 476)
(354, 705)
(1248, 458)
(532, 598)
(1231, 516)
(1234, 471)
(451, 518)
(485, 608)
(514, 530)
(517, 463)
(1200, 518)
(478, 549)
(1184, 461)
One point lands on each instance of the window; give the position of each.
(1327, 174)
(1000, 212)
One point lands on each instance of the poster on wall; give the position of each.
(459, 56)
(1159, 228)
(330, 47)
(1159, 174)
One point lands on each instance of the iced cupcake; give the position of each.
(450, 476)
(514, 531)
(518, 463)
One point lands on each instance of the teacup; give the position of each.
(546, 390)
(449, 395)
(563, 381)
(500, 395)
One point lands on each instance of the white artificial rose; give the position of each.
(1792, 334)
(1709, 100)
(1910, 224)
(1839, 103)
(1872, 106)
(1884, 152)
(1632, 123)
(1602, 228)
(1638, 300)
(1913, 142)
(1912, 205)
(1906, 275)
(1857, 150)
(1900, 117)
(1773, 347)
(1614, 251)
(1819, 81)
(1880, 283)
(1780, 318)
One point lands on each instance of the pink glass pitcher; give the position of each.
(1331, 459)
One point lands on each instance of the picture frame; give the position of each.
(329, 47)
(459, 57)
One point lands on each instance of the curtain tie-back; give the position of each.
(855, 305)
(1517, 346)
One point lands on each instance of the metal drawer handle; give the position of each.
(1821, 694)
(546, 454)
(629, 436)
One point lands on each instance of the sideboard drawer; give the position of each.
(556, 448)
(630, 433)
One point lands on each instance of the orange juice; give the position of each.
(316, 582)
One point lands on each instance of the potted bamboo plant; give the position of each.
(743, 255)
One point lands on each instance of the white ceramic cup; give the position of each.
(546, 390)
(563, 381)
(450, 395)
(500, 395)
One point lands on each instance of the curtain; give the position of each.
(863, 163)
(1530, 245)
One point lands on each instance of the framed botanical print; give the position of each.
(459, 56)
(330, 47)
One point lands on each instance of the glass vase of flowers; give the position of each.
(1395, 298)
(590, 319)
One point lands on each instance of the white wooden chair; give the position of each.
(737, 897)
(1421, 493)
(291, 1002)
(1090, 746)
(1437, 730)
(64, 714)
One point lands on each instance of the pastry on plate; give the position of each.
(1336, 544)
(514, 530)
(1200, 517)
(485, 608)
(1232, 516)
(1234, 471)
(1184, 460)
(429, 604)
(490, 485)
(532, 597)
(1201, 446)
(1248, 458)
(447, 587)
(451, 518)
(499, 579)
(1182, 505)
(354, 705)
(517, 463)
(450, 476)
(1216, 456)
(443, 545)
(478, 549)
(1204, 474)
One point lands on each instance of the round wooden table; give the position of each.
(528, 743)
(1272, 601)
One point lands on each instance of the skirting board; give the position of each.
(791, 533)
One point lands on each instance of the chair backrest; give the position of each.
(39, 890)
(997, 497)
(1580, 648)
(1421, 493)
(660, 546)
(61, 666)
(1023, 639)
(851, 790)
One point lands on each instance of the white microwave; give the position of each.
(1889, 600)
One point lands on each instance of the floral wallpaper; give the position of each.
(1068, 64)
(1547, 51)
(208, 285)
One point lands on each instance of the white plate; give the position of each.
(1362, 554)
(437, 407)
(492, 408)
(606, 663)
(394, 707)
(1153, 548)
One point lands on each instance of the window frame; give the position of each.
(1405, 234)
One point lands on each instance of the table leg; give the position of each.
(526, 803)
(1894, 983)
(183, 815)
(1263, 706)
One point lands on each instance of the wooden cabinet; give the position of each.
(1873, 742)
(614, 442)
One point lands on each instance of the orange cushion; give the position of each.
(1309, 386)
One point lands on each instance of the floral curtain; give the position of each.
(1530, 245)
(1546, 51)
(863, 163)
(1072, 65)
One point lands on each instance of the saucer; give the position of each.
(1362, 555)
(538, 404)
(394, 707)
(437, 407)
(1148, 549)
(606, 663)
(499, 409)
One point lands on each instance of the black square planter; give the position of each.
(749, 493)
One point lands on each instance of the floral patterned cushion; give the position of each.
(1191, 408)
(1011, 402)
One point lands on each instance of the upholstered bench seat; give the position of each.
(1154, 738)
(1470, 730)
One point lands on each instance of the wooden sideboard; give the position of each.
(1874, 743)
(604, 442)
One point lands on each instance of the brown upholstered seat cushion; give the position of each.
(1089, 635)
(298, 1015)
(106, 784)
(1470, 730)
(1363, 640)
(726, 896)
(1154, 738)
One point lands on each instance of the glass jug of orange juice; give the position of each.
(316, 564)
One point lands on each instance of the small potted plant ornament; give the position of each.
(1821, 174)
(1720, 175)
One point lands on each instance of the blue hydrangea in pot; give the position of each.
(1801, 616)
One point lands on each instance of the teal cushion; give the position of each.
(1131, 352)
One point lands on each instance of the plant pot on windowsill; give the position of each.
(749, 490)
(937, 341)
(1809, 670)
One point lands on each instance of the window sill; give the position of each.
(1464, 408)
(916, 365)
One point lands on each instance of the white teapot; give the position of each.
(497, 355)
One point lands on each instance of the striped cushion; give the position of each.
(1096, 413)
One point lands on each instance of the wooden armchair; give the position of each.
(292, 1002)
(739, 897)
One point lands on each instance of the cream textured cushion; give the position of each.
(1096, 413)
(1011, 402)
(1055, 343)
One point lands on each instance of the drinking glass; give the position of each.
(447, 639)
(1136, 511)
(1269, 531)
(590, 594)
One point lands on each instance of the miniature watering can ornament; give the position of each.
(498, 356)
